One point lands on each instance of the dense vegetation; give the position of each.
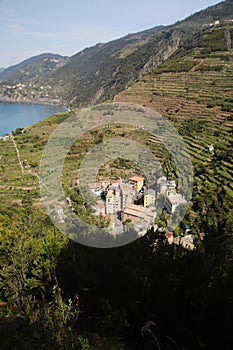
(60, 294)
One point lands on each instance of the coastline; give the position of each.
(48, 102)
(23, 114)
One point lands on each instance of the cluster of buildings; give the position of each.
(218, 22)
(4, 138)
(186, 241)
(172, 198)
(127, 203)
(132, 203)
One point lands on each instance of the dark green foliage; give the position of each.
(17, 131)
(128, 286)
(214, 41)
(61, 289)
(36, 313)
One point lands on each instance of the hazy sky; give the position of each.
(31, 27)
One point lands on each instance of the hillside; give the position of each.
(33, 68)
(98, 73)
(193, 89)
(57, 294)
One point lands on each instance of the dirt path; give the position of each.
(18, 154)
(197, 66)
(33, 173)
(41, 183)
(228, 39)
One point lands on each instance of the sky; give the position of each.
(32, 27)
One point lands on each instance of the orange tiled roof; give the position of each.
(137, 178)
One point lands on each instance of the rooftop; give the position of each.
(99, 205)
(139, 212)
(176, 199)
(137, 178)
(126, 188)
(149, 192)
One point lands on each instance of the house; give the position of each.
(149, 198)
(137, 212)
(165, 186)
(173, 200)
(185, 241)
(133, 212)
(119, 201)
(127, 195)
(162, 185)
(110, 200)
(118, 197)
(171, 187)
(4, 138)
(137, 182)
(169, 237)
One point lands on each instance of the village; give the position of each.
(132, 203)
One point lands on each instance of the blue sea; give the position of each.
(18, 115)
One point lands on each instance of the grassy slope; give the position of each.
(193, 89)
(15, 184)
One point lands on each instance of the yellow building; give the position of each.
(137, 182)
(149, 198)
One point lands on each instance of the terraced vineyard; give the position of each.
(193, 89)
(14, 183)
(20, 159)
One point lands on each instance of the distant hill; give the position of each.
(1, 69)
(33, 68)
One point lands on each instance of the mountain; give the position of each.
(221, 11)
(33, 68)
(98, 73)
(1, 69)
